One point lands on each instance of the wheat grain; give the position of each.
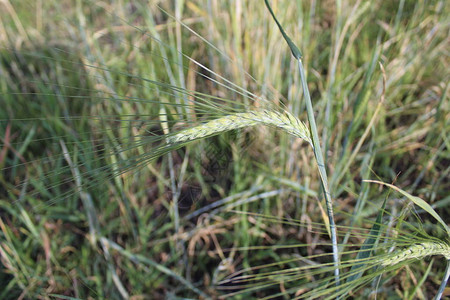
(418, 251)
(282, 120)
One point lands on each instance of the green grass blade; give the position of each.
(136, 258)
(419, 202)
(421, 281)
(294, 49)
(368, 246)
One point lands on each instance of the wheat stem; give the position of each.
(315, 143)
(322, 170)
(444, 281)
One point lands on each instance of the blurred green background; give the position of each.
(87, 205)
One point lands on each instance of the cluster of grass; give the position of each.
(117, 180)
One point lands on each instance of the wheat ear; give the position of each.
(418, 251)
(282, 120)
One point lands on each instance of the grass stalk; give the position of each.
(316, 146)
(444, 281)
(322, 170)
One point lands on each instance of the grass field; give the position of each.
(164, 149)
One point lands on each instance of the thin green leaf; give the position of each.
(421, 281)
(295, 51)
(366, 248)
(59, 296)
(419, 202)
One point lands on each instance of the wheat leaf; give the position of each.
(366, 248)
(419, 202)
(295, 51)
